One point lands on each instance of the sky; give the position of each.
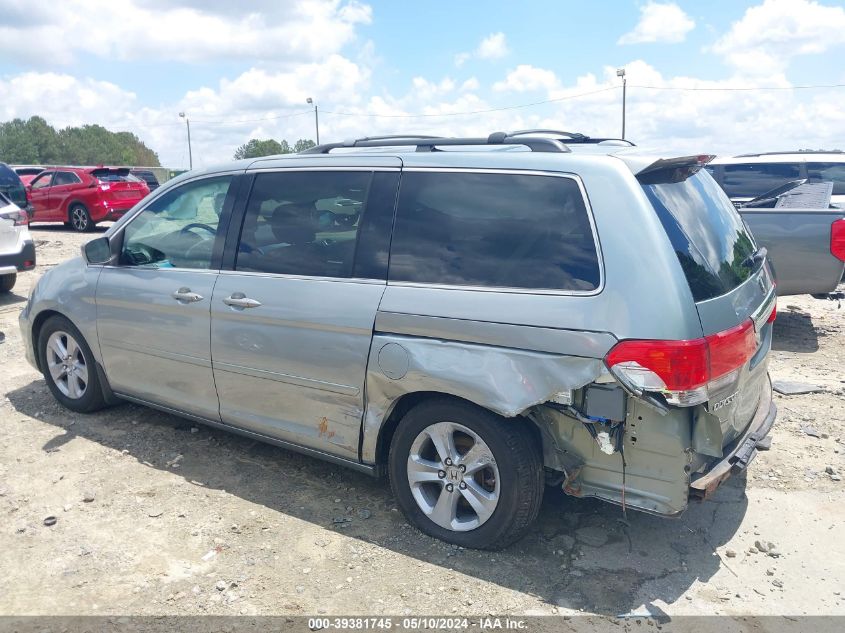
(722, 77)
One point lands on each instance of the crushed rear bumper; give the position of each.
(744, 448)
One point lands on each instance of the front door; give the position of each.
(39, 195)
(153, 309)
(291, 325)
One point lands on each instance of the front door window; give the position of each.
(179, 228)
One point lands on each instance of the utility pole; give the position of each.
(621, 73)
(316, 119)
(190, 154)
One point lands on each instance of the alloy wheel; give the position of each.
(79, 219)
(67, 364)
(453, 476)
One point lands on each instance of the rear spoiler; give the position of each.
(667, 170)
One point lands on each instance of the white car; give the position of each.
(17, 250)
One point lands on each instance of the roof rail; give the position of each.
(794, 151)
(572, 137)
(429, 143)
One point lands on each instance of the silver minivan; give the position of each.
(476, 318)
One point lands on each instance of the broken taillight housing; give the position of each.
(683, 371)
(837, 239)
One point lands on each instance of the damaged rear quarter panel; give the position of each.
(481, 370)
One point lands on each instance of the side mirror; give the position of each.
(97, 251)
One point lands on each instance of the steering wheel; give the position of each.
(198, 225)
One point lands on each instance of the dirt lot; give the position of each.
(156, 515)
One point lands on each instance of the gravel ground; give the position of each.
(155, 515)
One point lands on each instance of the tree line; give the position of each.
(35, 142)
(256, 148)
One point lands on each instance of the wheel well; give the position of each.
(410, 400)
(36, 331)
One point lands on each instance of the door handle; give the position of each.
(184, 295)
(240, 300)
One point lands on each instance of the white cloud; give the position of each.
(659, 22)
(768, 35)
(188, 31)
(494, 46)
(526, 78)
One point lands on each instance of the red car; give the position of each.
(83, 196)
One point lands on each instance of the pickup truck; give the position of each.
(806, 246)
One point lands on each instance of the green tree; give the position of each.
(36, 142)
(256, 148)
(302, 144)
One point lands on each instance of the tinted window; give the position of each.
(7, 176)
(751, 180)
(501, 230)
(65, 178)
(12, 187)
(179, 228)
(708, 235)
(303, 223)
(828, 172)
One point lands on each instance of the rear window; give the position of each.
(708, 235)
(828, 172)
(114, 175)
(496, 230)
(753, 179)
(8, 177)
(11, 186)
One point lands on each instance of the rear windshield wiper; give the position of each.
(756, 257)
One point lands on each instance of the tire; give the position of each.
(513, 477)
(80, 391)
(7, 282)
(79, 218)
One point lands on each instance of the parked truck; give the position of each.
(806, 246)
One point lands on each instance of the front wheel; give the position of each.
(69, 366)
(7, 282)
(80, 219)
(465, 475)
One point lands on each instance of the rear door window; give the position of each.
(750, 180)
(828, 172)
(709, 237)
(65, 178)
(494, 230)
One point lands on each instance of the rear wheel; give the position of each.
(7, 282)
(69, 366)
(465, 475)
(80, 219)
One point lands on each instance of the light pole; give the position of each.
(190, 154)
(621, 73)
(316, 119)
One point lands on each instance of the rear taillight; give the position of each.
(837, 239)
(773, 315)
(18, 218)
(683, 371)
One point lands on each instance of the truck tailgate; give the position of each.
(798, 245)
